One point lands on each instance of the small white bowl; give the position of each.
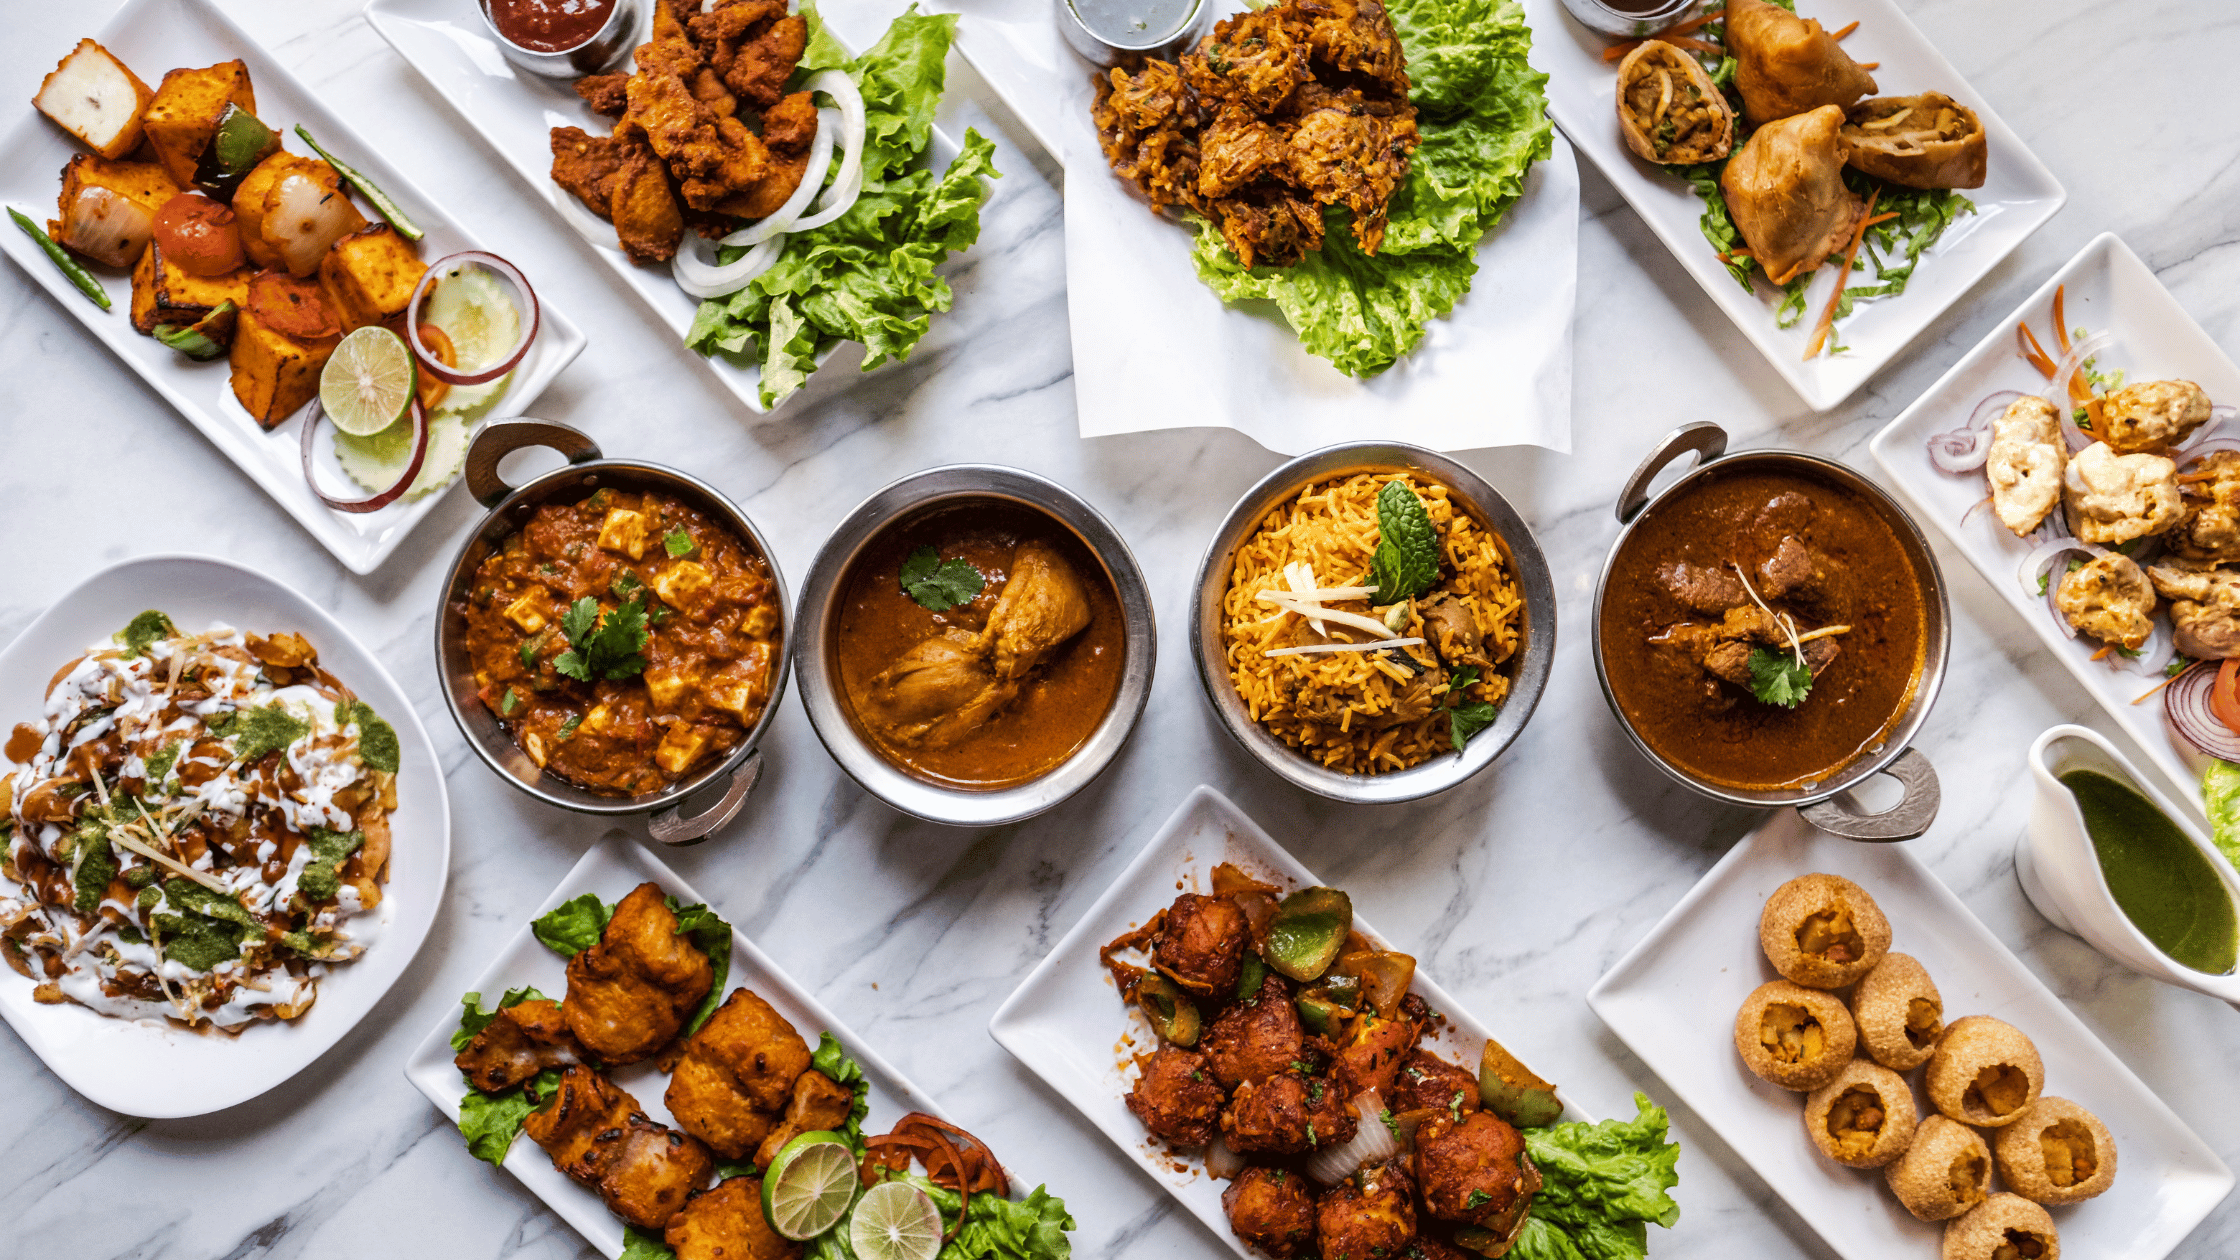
(2060, 873)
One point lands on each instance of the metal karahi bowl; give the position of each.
(1100, 51)
(1528, 672)
(1894, 755)
(613, 40)
(511, 507)
(818, 616)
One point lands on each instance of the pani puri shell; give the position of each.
(1822, 931)
(2003, 1227)
(1985, 1072)
(2056, 1152)
(1864, 1118)
(1794, 1037)
(1945, 1172)
(1899, 1012)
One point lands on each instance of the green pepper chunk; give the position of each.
(1309, 929)
(1173, 1016)
(210, 337)
(1318, 1014)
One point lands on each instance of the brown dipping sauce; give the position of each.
(1713, 728)
(550, 26)
(711, 651)
(1051, 710)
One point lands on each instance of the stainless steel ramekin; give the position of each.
(510, 509)
(819, 614)
(614, 40)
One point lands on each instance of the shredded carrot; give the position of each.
(1737, 255)
(1827, 322)
(1618, 51)
(1870, 65)
(1847, 30)
(2104, 649)
(2060, 321)
(2157, 688)
(2026, 345)
(1884, 217)
(2189, 478)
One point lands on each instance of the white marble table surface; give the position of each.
(1516, 891)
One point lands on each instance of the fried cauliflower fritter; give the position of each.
(1371, 1055)
(1426, 1082)
(1252, 1041)
(1203, 944)
(1272, 1209)
(522, 1041)
(1368, 1216)
(596, 1134)
(1176, 1097)
(1475, 1171)
(1287, 1114)
(630, 994)
(737, 1073)
(727, 1223)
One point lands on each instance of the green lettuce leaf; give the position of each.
(573, 926)
(867, 276)
(1482, 112)
(708, 931)
(1602, 1185)
(637, 1244)
(834, 1062)
(2220, 799)
(490, 1122)
(1032, 1228)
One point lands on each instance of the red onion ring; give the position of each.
(2185, 703)
(2034, 568)
(375, 502)
(436, 367)
(1963, 450)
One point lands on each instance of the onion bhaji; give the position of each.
(1176, 1097)
(1272, 1209)
(1252, 1041)
(1275, 115)
(522, 1041)
(705, 132)
(629, 995)
(738, 1072)
(595, 1133)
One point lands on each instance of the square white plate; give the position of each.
(161, 1071)
(2017, 198)
(1067, 1024)
(514, 112)
(2106, 287)
(611, 869)
(153, 36)
(1673, 998)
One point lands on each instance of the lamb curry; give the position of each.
(1763, 628)
(1000, 686)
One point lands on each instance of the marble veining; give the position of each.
(1516, 891)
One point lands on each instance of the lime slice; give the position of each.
(809, 1186)
(368, 381)
(895, 1221)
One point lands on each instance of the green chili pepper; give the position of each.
(70, 266)
(366, 186)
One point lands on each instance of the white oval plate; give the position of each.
(160, 1071)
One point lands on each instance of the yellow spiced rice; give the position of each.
(1362, 712)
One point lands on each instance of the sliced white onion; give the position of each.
(1966, 448)
(1222, 1162)
(848, 184)
(372, 502)
(781, 219)
(107, 226)
(303, 216)
(1372, 1143)
(488, 372)
(697, 272)
(1309, 649)
(2196, 450)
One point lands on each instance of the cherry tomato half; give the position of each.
(198, 235)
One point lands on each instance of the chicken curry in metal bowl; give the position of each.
(1770, 629)
(978, 643)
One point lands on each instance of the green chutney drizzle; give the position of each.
(2162, 882)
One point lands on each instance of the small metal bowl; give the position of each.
(1611, 20)
(1529, 673)
(1106, 52)
(819, 614)
(1818, 803)
(510, 509)
(610, 44)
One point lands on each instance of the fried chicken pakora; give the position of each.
(731, 1087)
(727, 1223)
(595, 1133)
(704, 128)
(1276, 115)
(522, 1041)
(629, 995)
(1272, 1209)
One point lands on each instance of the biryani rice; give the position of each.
(1361, 712)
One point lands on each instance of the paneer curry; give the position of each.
(625, 641)
(1002, 685)
(1762, 628)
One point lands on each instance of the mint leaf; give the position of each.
(573, 926)
(256, 732)
(1778, 678)
(1407, 559)
(938, 584)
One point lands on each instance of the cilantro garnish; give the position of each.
(1407, 560)
(1466, 718)
(143, 631)
(603, 646)
(939, 584)
(1778, 678)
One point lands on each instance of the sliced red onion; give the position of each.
(2198, 449)
(1965, 449)
(812, 176)
(2034, 568)
(1973, 508)
(505, 271)
(373, 502)
(2186, 704)
(696, 271)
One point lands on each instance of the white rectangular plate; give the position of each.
(1067, 1024)
(2018, 197)
(153, 36)
(160, 1070)
(2106, 287)
(514, 112)
(611, 869)
(1673, 999)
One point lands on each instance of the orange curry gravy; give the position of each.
(1715, 728)
(711, 651)
(1057, 704)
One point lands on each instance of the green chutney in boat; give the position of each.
(2161, 880)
